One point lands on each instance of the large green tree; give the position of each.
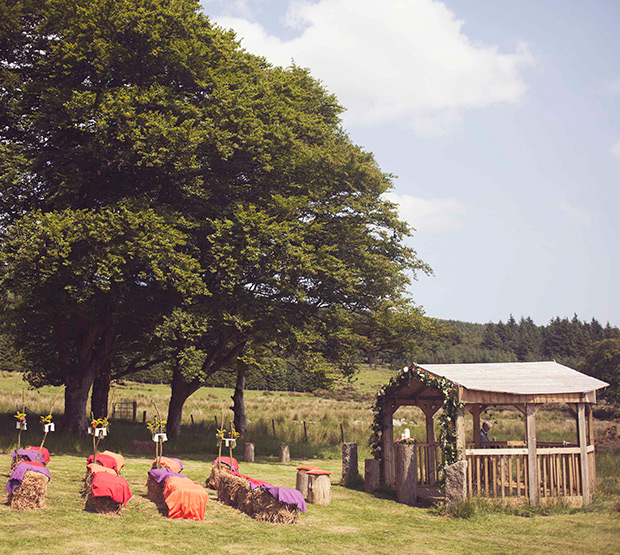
(603, 362)
(165, 194)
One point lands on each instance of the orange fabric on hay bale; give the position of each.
(185, 499)
(120, 460)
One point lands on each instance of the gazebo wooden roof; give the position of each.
(525, 385)
(508, 383)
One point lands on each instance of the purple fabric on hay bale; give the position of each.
(30, 453)
(162, 474)
(18, 475)
(286, 495)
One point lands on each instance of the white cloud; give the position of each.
(394, 61)
(432, 215)
(615, 150)
(580, 216)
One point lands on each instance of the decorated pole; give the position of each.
(21, 425)
(157, 429)
(48, 425)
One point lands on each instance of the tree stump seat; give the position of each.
(301, 483)
(319, 487)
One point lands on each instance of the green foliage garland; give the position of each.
(451, 407)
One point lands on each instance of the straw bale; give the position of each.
(32, 492)
(16, 460)
(87, 483)
(211, 482)
(260, 505)
(102, 505)
(155, 491)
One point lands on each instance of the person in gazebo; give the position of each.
(484, 431)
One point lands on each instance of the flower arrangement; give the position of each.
(156, 426)
(99, 427)
(21, 416)
(405, 441)
(447, 419)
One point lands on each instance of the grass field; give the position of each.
(355, 522)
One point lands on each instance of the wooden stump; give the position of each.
(301, 483)
(350, 471)
(248, 452)
(406, 474)
(285, 456)
(319, 489)
(372, 475)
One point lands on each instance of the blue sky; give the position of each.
(501, 121)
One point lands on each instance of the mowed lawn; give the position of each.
(355, 522)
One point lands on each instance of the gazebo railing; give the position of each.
(500, 473)
(429, 460)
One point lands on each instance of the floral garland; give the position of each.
(451, 407)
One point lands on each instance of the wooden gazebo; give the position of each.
(528, 469)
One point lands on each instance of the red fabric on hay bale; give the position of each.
(114, 487)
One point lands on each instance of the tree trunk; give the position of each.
(241, 423)
(101, 393)
(181, 390)
(83, 351)
(76, 399)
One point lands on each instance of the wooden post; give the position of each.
(350, 470)
(305, 432)
(406, 474)
(475, 411)
(248, 452)
(301, 482)
(583, 454)
(285, 456)
(429, 410)
(532, 465)
(341, 433)
(387, 447)
(460, 435)
(216, 426)
(372, 475)
(135, 411)
(143, 417)
(591, 456)
(273, 427)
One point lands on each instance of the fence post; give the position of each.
(406, 474)
(341, 433)
(350, 470)
(273, 427)
(372, 475)
(143, 417)
(135, 411)
(305, 432)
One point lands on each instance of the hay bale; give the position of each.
(31, 494)
(155, 492)
(257, 503)
(87, 483)
(211, 482)
(102, 505)
(16, 460)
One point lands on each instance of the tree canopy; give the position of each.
(165, 195)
